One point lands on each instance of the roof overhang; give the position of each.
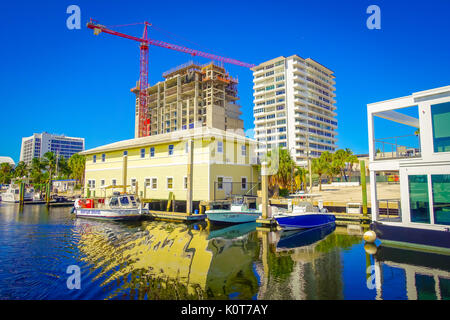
(398, 117)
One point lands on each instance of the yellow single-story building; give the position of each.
(222, 163)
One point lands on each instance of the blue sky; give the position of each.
(71, 82)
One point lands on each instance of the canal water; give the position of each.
(42, 250)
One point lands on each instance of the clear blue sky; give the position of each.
(72, 82)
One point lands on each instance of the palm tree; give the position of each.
(350, 160)
(77, 165)
(338, 162)
(21, 170)
(49, 161)
(63, 168)
(282, 177)
(320, 167)
(300, 178)
(36, 170)
(6, 172)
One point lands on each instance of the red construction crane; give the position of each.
(143, 115)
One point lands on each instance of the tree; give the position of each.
(339, 161)
(283, 176)
(350, 160)
(64, 170)
(6, 173)
(300, 178)
(320, 167)
(36, 170)
(21, 170)
(49, 162)
(77, 164)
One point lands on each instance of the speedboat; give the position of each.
(117, 207)
(303, 216)
(12, 194)
(239, 212)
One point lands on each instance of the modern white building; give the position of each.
(40, 143)
(294, 106)
(423, 168)
(7, 160)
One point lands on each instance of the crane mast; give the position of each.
(143, 112)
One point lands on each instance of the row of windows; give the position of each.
(225, 185)
(151, 152)
(151, 183)
(170, 151)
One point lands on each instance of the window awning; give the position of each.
(398, 117)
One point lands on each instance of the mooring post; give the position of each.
(124, 173)
(47, 192)
(362, 166)
(21, 192)
(264, 191)
(136, 189)
(189, 176)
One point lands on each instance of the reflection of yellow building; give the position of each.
(159, 165)
(168, 261)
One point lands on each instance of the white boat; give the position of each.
(116, 207)
(239, 212)
(12, 194)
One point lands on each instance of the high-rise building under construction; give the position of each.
(191, 96)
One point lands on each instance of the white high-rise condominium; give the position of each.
(40, 143)
(294, 107)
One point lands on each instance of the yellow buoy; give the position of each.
(370, 236)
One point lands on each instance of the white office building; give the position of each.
(294, 107)
(40, 143)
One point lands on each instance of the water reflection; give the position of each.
(414, 275)
(165, 260)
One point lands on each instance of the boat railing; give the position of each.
(389, 210)
(229, 189)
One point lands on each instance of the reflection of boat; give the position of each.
(116, 207)
(12, 194)
(303, 216)
(239, 212)
(234, 231)
(299, 238)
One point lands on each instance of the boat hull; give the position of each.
(104, 214)
(411, 236)
(305, 220)
(232, 217)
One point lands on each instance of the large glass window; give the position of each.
(440, 114)
(441, 198)
(418, 198)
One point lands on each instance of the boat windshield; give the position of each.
(133, 201)
(114, 202)
(124, 201)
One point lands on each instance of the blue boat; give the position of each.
(304, 216)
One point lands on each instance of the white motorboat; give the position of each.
(12, 194)
(239, 212)
(117, 207)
